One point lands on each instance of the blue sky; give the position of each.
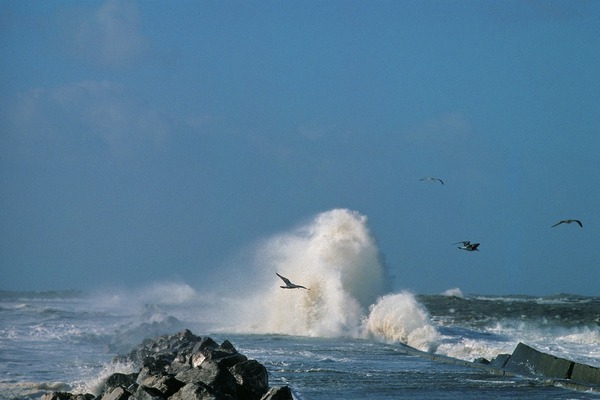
(152, 141)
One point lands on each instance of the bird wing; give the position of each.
(474, 246)
(286, 280)
(558, 223)
(431, 178)
(464, 243)
(579, 222)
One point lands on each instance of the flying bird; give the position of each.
(432, 179)
(468, 246)
(289, 284)
(567, 221)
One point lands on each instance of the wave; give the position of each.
(336, 257)
(30, 390)
(401, 318)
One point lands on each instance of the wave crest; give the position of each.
(335, 256)
(401, 318)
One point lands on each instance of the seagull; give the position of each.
(568, 221)
(468, 246)
(288, 284)
(431, 178)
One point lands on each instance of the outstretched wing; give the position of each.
(579, 222)
(474, 246)
(558, 223)
(284, 279)
(431, 178)
(464, 243)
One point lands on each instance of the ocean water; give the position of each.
(342, 339)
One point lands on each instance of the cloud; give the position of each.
(110, 35)
(88, 113)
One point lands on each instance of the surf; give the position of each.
(335, 255)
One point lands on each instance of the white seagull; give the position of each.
(468, 246)
(431, 178)
(289, 284)
(567, 221)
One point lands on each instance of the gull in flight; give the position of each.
(568, 221)
(468, 246)
(431, 178)
(289, 284)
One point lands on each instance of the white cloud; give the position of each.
(89, 111)
(111, 35)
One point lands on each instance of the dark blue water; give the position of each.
(66, 341)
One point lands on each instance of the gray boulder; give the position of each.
(184, 366)
(117, 393)
(252, 380)
(193, 391)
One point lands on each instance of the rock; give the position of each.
(66, 396)
(481, 360)
(252, 380)
(526, 360)
(147, 393)
(225, 355)
(278, 393)
(586, 373)
(499, 361)
(185, 367)
(164, 383)
(117, 393)
(116, 380)
(193, 391)
(166, 347)
(218, 380)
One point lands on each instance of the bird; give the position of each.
(568, 221)
(431, 178)
(289, 284)
(468, 246)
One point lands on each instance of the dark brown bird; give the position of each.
(431, 178)
(289, 284)
(567, 221)
(468, 246)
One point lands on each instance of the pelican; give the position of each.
(568, 221)
(468, 246)
(289, 284)
(431, 178)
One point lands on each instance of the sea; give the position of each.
(344, 337)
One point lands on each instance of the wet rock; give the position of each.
(500, 361)
(528, 361)
(118, 380)
(586, 373)
(186, 367)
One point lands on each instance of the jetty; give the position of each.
(529, 362)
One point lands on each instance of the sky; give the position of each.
(154, 141)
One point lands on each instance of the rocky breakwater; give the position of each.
(186, 367)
